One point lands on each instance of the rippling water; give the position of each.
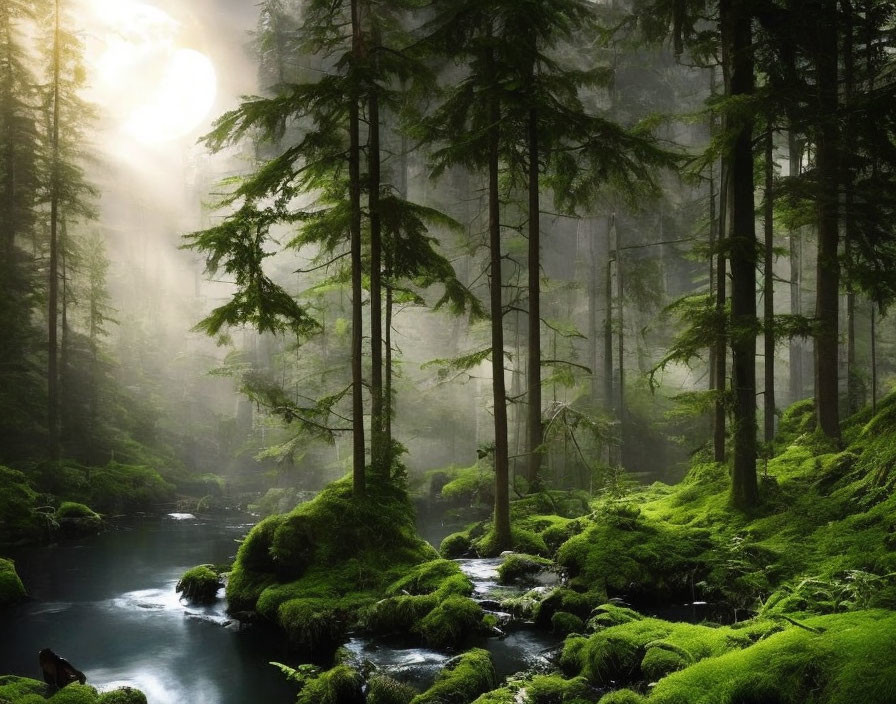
(108, 605)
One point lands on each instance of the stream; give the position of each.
(108, 605)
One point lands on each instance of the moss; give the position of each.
(339, 685)
(468, 485)
(21, 689)
(11, 587)
(124, 695)
(608, 615)
(75, 694)
(622, 696)
(399, 614)
(317, 570)
(120, 488)
(553, 689)
(462, 680)
(451, 623)
(521, 567)
(661, 660)
(844, 658)
(19, 519)
(200, 584)
(431, 576)
(563, 623)
(455, 545)
(564, 599)
(638, 650)
(521, 540)
(385, 690)
(72, 509)
(311, 624)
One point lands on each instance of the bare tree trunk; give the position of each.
(737, 34)
(535, 432)
(796, 265)
(828, 266)
(358, 454)
(502, 488)
(620, 343)
(720, 413)
(379, 451)
(769, 288)
(53, 290)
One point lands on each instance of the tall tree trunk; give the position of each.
(768, 287)
(354, 168)
(53, 283)
(10, 206)
(720, 412)
(796, 267)
(535, 431)
(620, 343)
(64, 390)
(828, 265)
(502, 487)
(873, 359)
(853, 401)
(737, 34)
(379, 451)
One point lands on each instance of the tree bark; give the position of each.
(354, 168)
(502, 488)
(535, 431)
(828, 266)
(796, 307)
(379, 451)
(768, 288)
(737, 33)
(53, 274)
(720, 412)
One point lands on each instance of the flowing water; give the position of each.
(108, 605)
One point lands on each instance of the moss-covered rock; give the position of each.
(75, 694)
(77, 519)
(521, 540)
(563, 623)
(839, 659)
(20, 521)
(519, 568)
(451, 622)
(11, 587)
(200, 584)
(22, 689)
(623, 696)
(456, 545)
(123, 695)
(462, 680)
(339, 685)
(315, 570)
(385, 690)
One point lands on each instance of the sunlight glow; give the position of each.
(154, 88)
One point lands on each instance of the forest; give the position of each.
(448, 351)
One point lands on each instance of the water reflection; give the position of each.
(109, 606)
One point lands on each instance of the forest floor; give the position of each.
(797, 595)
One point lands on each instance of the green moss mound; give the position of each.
(75, 694)
(124, 695)
(77, 519)
(22, 689)
(314, 570)
(20, 520)
(839, 659)
(385, 690)
(451, 622)
(11, 587)
(456, 545)
(339, 685)
(639, 649)
(462, 680)
(517, 568)
(200, 584)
